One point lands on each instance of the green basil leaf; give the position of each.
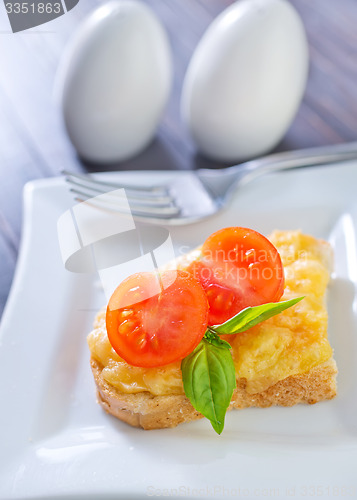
(213, 338)
(251, 316)
(208, 377)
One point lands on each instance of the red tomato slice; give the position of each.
(239, 267)
(153, 320)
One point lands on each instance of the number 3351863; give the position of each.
(33, 8)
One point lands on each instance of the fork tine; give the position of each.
(79, 179)
(143, 211)
(144, 199)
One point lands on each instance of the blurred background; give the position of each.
(34, 144)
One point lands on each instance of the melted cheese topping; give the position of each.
(290, 343)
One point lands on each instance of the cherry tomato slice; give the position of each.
(238, 268)
(153, 320)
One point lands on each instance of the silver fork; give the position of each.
(201, 193)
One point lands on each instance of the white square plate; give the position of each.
(56, 442)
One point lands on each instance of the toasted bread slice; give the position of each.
(158, 412)
(286, 377)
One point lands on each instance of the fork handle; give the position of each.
(302, 158)
(222, 186)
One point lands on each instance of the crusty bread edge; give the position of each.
(157, 412)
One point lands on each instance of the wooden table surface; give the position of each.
(34, 145)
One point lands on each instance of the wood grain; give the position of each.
(33, 143)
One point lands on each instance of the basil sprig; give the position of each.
(209, 380)
(208, 372)
(251, 316)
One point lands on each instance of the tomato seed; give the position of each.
(126, 312)
(127, 327)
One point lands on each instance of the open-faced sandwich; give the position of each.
(241, 322)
